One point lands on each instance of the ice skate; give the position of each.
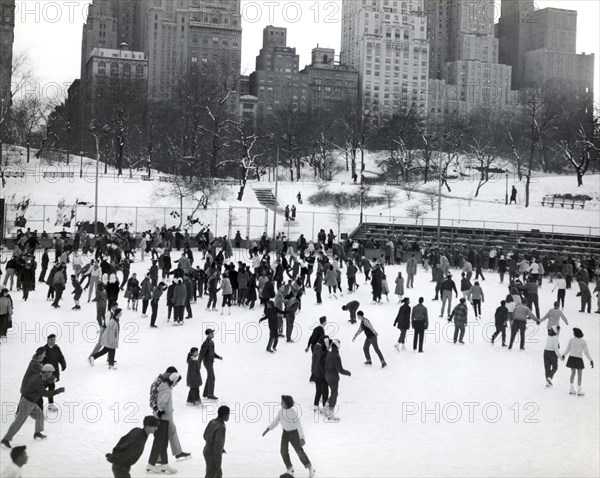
(397, 346)
(52, 407)
(91, 361)
(167, 469)
(5, 444)
(311, 471)
(153, 469)
(548, 383)
(39, 436)
(572, 390)
(580, 392)
(403, 347)
(183, 456)
(289, 473)
(368, 362)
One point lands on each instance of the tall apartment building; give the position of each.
(185, 34)
(7, 28)
(328, 82)
(542, 49)
(386, 41)
(464, 55)
(276, 83)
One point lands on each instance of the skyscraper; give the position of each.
(181, 35)
(386, 41)
(464, 53)
(541, 47)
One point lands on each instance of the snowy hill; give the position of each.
(145, 204)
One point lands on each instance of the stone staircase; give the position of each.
(267, 199)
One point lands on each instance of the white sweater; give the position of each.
(289, 421)
(552, 344)
(578, 347)
(559, 284)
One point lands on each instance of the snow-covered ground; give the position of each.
(456, 410)
(142, 203)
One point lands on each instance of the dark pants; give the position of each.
(178, 313)
(154, 307)
(289, 326)
(560, 297)
(121, 471)
(533, 300)
(586, 300)
(478, 273)
(160, 444)
(193, 395)
(188, 309)
(51, 388)
(292, 437)
(100, 315)
(351, 282)
(459, 330)
(517, 325)
(319, 301)
(212, 299)
(104, 351)
(372, 341)
(500, 329)
(213, 466)
(145, 306)
(43, 274)
(402, 337)
(57, 296)
(419, 329)
(569, 281)
(273, 340)
(321, 391)
(550, 363)
(477, 307)
(333, 393)
(209, 386)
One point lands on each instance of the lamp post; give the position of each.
(506, 194)
(276, 191)
(439, 215)
(92, 129)
(362, 196)
(68, 141)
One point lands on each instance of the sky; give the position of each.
(50, 32)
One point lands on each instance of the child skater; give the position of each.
(193, 379)
(551, 354)
(576, 347)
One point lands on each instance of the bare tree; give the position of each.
(485, 154)
(390, 194)
(416, 213)
(431, 198)
(409, 188)
(249, 157)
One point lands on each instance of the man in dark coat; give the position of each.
(130, 447)
(370, 339)
(45, 261)
(352, 307)
(270, 315)
(420, 323)
(54, 357)
(214, 435)
(316, 335)
(403, 322)
(208, 356)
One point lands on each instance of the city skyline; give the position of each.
(55, 47)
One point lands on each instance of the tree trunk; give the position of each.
(579, 177)
(527, 182)
(426, 171)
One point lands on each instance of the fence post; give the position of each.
(136, 225)
(44, 219)
(248, 214)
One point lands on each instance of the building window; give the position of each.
(114, 69)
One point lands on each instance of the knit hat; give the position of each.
(48, 368)
(336, 342)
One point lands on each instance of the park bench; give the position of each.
(562, 201)
(58, 174)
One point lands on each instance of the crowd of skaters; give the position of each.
(278, 280)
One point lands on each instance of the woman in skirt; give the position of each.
(576, 348)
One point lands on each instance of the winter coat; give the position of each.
(58, 281)
(501, 316)
(101, 300)
(399, 290)
(318, 283)
(243, 278)
(476, 293)
(333, 366)
(34, 368)
(5, 306)
(110, 336)
(193, 378)
(146, 289)
(54, 356)
(319, 358)
(411, 266)
(330, 279)
(403, 318)
(226, 286)
(179, 295)
(459, 314)
(164, 401)
(419, 313)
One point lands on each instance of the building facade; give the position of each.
(464, 53)
(386, 42)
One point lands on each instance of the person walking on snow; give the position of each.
(370, 339)
(292, 433)
(575, 349)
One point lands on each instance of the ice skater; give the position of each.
(130, 448)
(292, 433)
(500, 319)
(214, 448)
(317, 375)
(193, 378)
(208, 356)
(403, 323)
(333, 369)
(351, 307)
(370, 339)
(575, 349)
(476, 297)
(420, 323)
(551, 354)
(459, 315)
